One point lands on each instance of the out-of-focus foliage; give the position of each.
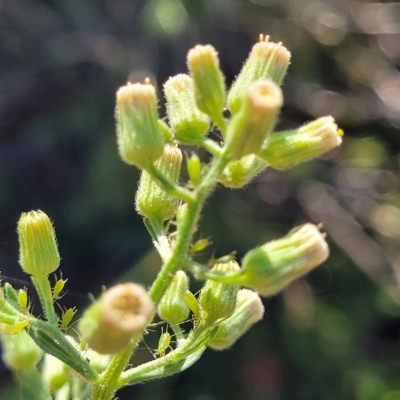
(335, 334)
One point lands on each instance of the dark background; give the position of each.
(335, 334)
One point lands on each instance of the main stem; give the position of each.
(106, 386)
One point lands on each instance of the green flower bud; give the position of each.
(194, 168)
(19, 350)
(249, 310)
(218, 300)
(250, 127)
(284, 150)
(271, 267)
(266, 60)
(187, 121)
(151, 201)
(108, 325)
(172, 307)
(140, 141)
(209, 83)
(239, 173)
(38, 253)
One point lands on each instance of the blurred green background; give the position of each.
(334, 335)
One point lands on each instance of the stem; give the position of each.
(168, 186)
(210, 146)
(203, 272)
(108, 382)
(43, 289)
(179, 335)
(106, 386)
(186, 229)
(220, 123)
(194, 342)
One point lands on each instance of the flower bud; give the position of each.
(108, 325)
(269, 268)
(239, 173)
(250, 127)
(249, 310)
(266, 60)
(140, 141)
(209, 85)
(194, 167)
(172, 307)
(187, 121)
(218, 300)
(152, 202)
(38, 253)
(284, 150)
(19, 350)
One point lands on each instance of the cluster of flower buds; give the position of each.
(197, 102)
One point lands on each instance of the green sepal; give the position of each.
(53, 342)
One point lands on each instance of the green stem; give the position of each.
(186, 229)
(197, 338)
(179, 335)
(221, 124)
(106, 386)
(108, 383)
(43, 289)
(168, 186)
(210, 146)
(8, 319)
(203, 272)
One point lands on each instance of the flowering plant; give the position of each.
(94, 364)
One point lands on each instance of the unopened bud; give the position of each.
(108, 325)
(271, 267)
(172, 307)
(38, 253)
(194, 168)
(19, 350)
(187, 121)
(249, 310)
(256, 119)
(266, 60)
(284, 150)
(239, 173)
(152, 202)
(209, 84)
(140, 141)
(218, 300)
